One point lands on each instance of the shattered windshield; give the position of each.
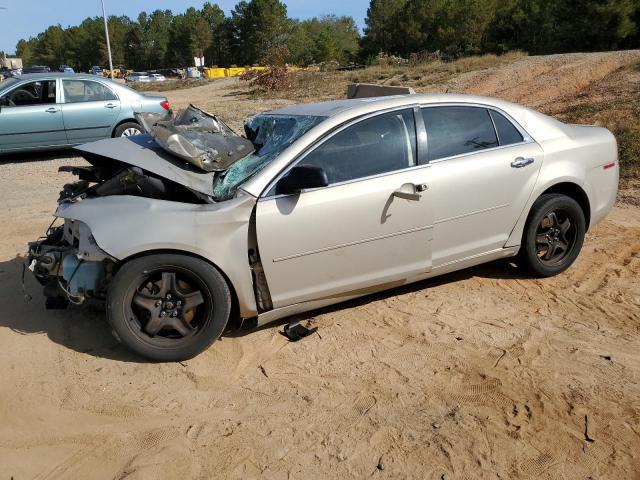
(270, 134)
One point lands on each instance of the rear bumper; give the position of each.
(602, 182)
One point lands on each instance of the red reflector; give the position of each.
(609, 165)
(165, 105)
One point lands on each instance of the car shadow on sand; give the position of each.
(85, 329)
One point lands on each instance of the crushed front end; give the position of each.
(68, 261)
(70, 265)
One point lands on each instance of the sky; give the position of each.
(26, 18)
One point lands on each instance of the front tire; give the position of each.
(553, 236)
(168, 307)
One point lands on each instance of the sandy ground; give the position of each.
(479, 374)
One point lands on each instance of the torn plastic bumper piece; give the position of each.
(295, 331)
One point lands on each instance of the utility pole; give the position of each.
(106, 33)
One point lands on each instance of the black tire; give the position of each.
(125, 130)
(553, 235)
(148, 306)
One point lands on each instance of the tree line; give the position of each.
(467, 27)
(400, 27)
(161, 39)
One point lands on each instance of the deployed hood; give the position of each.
(143, 152)
(198, 137)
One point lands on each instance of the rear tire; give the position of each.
(128, 129)
(553, 235)
(168, 307)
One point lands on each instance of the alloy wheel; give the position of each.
(168, 307)
(130, 132)
(555, 237)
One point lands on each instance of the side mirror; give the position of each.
(301, 178)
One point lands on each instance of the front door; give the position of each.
(371, 226)
(90, 110)
(30, 117)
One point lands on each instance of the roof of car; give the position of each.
(365, 105)
(42, 76)
(538, 126)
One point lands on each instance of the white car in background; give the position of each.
(193, 72)
(157, 77)
(339, 200)
(138, 77)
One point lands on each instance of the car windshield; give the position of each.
(271, 135)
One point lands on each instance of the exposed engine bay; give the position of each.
(192, 143)
(107, 177)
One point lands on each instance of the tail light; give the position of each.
(609, 165)
(165, 104)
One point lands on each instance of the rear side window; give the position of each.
(508, 134)
(385, 143)
(78, 91)
(458, 130)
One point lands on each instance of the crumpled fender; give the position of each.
(125, 226)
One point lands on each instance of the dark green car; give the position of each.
(46, 111)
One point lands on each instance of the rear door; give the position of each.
(90, 110)
(31, 117)
(484, 169)
(371, 226)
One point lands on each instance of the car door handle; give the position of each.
(521, 162)
(51, 110)
(110, 105)
(410, 191)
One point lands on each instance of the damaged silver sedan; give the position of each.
(183, 230)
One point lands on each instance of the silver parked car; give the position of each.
(57, 110)
(138, 77)
(339, 200)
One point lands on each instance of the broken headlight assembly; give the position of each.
(70, 265)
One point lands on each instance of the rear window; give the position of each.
(508, 134)
(455, 131)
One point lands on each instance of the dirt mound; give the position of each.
(537, 81)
